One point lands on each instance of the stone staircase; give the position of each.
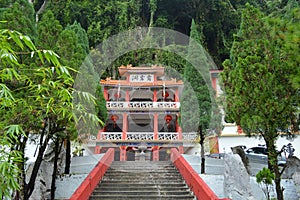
(142, 180)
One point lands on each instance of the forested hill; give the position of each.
(216, 20)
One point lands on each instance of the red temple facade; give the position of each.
(143, 112)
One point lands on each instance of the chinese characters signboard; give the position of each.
(141, 78)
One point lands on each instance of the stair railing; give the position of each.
(200, 189)
(86, 188)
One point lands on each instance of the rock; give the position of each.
(42, 184)
(43, 180)
(240, 151)
(236, 179)
(293, 166)
(296, 179)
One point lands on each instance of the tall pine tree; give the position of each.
(258, 80)
(197, 101)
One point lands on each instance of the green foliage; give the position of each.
(49, 30)
(81, 36)
(259, 80)
(19, 16)
(8, 171)
(265, 178)
(100, 104)
(35, 99)
(100, 19)
(197, 102)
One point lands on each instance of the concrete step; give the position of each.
(133, 184)
(142, 170)
(142, 180)
(141, 164)
(141, 197)
(137, 187)
(129, 181)
(124, 173)
(158, 163)
(141, 192)
(143, 176)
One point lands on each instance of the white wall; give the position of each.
(225, 143)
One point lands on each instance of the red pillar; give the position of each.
(176, 99)
(214, 83)
(154, 95)
(155, 152)
(98, 148)
(181, 151)
(155, 137)
(123, 156)
(105, 94)
(155, 126)
(127, 97)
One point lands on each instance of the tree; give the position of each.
(260, 96)
(72, 46)
(24, 116)
(19, 16)
(197, 102)
(49, 30)
(9, 132)
(265, 178)
(36, 99)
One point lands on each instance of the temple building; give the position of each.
(143, 112)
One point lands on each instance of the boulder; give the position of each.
(296, 179)
(292, 166)
(43, 180)
(236, 179)
(240, 151)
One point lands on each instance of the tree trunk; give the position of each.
(21, 166)
(68, 155)
(202, 150)
(42, 8)
(29, 187)
(273, 166)
(57, 149)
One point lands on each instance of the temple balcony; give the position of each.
(164, 138)
(146, 105)
(139, 136)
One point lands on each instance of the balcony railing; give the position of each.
(111, 136)
(140, 136)
(189, 136)
(114, 136)
(168, 137)
(142, 105)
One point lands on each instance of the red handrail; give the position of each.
(87, 187)
(192, 178)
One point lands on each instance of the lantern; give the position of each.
(168, 118)
(114, 118)
(117, 95)
(165, 94)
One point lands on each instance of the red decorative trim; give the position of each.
(192, 179)
(87, 187)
